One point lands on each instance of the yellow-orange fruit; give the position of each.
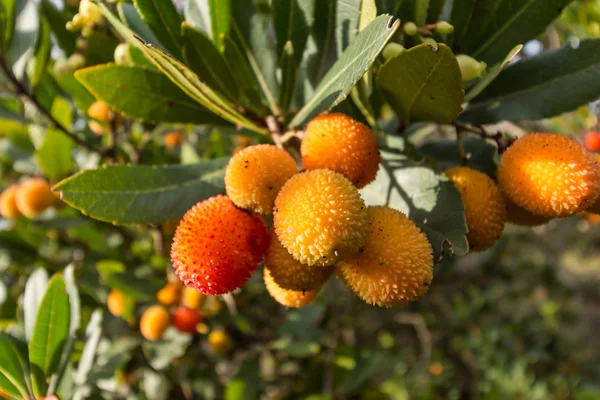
(549, 175)
(173, 139)
(102, 113)
(519, 216)
(341, 144)
(595, 207)
(169, 295)
(320, 217)
(155, 321)
(255, 175)
(290, 273)
(288, 298)
(485, 210)
(217, 246)
(395, 266)
(34, 197)
(220, 342)
(191, 298)
(116, 302)
(8, 203)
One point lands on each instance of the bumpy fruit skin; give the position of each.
(341, 144)
(34, 197)
(592, 141)
(549, 175)
(320, 217)
(173, 139)
(101, 112)
(8, 203)
(186, 319)
(217, 246)
(395, 266)
(288, 298)
(116, 302)
(255, 175)
(220, 342)
(169, 295)
(155, 321)
(485, 209)
(290, 273)
(519, 216)
(191, 298)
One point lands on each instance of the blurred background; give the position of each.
(519, 321)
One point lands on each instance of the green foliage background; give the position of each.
(515, 322)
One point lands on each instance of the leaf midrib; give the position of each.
(425, 82)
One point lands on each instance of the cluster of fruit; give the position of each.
(321, 225)
(182, 307)
(29, 199)
(89, 15)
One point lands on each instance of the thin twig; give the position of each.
(230, 303)
(460, 143)
(275, 130)
(21, 90)
(497, 137)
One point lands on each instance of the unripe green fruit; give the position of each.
(87, 31)
(62, 67)
(470, 68)
(78, 21)
(70, 26)
(392, 50)
(81, 44)
(444, 28)
(411, 29)
(76, 61)
(122, 54)
(90, 11)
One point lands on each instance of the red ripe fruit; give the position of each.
(185, 319)
(592, 141)
(217, 246)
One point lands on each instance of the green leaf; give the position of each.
(492, 74)
(423, 83)
(49, 335)
(204, 59)
(13, 366)
(41, 53)
(132, 20)
(428, 198)
(7, 114)
(292, 24)
(100, 48)
(421, 7)
(220, 17)
(539, 87)
(164, 21)
(197, 14)
(81, 97)
(24, 36)
(142, 194)
(32, 297)
(480, 154)
(198, 90)
(54, 156)
(58, 21)
(117, 276)
(93, 333)
(7, 23)
(349, 69)
(143, 94)
(496, 26)
(435, 9)
(244, 385)
(18, 249)
(289, 77)
(347, 15)
(368, 13)
(460, 18)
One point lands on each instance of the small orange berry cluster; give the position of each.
(321, 224)
(30, 199)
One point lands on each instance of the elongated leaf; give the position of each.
(498, 25)
(197, 14)
(7, 23)
(58, 20)
(540, 87)
(244, 385)
(164, 21)
(41, 53)
(204, 59)
(460, 18)
(368, 13)
(289, 77)
(420, 8)
(141, 194)
(427, 197)
(292, 24)
(349, 69)
(13, 366)
(55, 156)
(423, 84)
(492, 74)
(81, 97)
(93, 332)
(143, 94)
(196, 89)
(25, 34)
(32, 297)
(347, 17)
(131, 18)
(220, 17)
(49, 335)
